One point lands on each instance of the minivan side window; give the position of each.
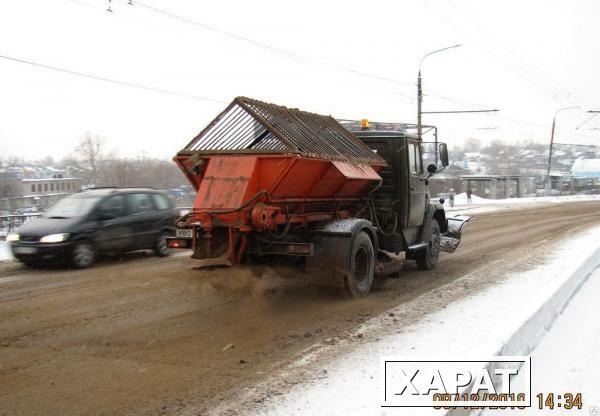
(115, 205)
(161, 202)
(140, 203)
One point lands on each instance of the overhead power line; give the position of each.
(113, 81)
(460, 111)
(529, 69)
(594, 115)
(293, 55)
(270, 48)
(510, 65)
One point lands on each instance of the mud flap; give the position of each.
(450, 240)
(211, 263)
(333, 240)
(329, 263)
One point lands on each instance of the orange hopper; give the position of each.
(259, 167)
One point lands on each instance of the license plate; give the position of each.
(25, 250)
(185, 233)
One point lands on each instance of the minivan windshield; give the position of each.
(72, 206)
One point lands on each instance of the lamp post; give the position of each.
(420, 88)
(548, 180)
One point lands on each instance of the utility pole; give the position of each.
(420, 91)
(548, 179)
(419, 101)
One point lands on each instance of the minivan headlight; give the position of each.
(13, 237)
(54, 238)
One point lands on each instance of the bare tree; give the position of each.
(91, 150)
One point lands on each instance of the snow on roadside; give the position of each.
(561, 365)
(480, 205)
(348, 382)
(5, 252)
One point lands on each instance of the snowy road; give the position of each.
(477, 326)
(149, 336)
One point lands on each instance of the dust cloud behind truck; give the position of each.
(280, 185)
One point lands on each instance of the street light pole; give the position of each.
(548, 180)
(420, 89)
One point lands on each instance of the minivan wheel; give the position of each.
(162, 248)
(83, 255)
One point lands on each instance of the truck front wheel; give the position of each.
(361, 269)
(427, 257)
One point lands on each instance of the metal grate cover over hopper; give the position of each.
(252, 126)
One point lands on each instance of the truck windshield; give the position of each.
(72, 206)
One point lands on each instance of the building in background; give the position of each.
(19, 195)
(586, 168)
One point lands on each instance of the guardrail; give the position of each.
(12, 221)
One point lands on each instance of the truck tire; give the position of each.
(361, 269)
(427, 257)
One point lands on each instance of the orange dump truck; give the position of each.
(280, 185)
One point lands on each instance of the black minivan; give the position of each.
(103, 220)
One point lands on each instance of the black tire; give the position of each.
(359, 279)
(427, 257)
(83, 255)
(29, 264)
(161, 247)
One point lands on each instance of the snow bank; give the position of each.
(496, 321)
(5, 252)
(559, 364)
(480, 205)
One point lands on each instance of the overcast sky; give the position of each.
(350, 59)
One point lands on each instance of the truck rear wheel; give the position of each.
(427, 257)
(359, 279)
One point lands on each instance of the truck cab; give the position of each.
(403, 199)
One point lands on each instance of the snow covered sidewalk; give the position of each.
(567, 360)
(346, 381)
(5, 252)
(480, 205)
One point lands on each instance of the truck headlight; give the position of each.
(54, 238)
(13, 237)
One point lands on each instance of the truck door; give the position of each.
(417, 187)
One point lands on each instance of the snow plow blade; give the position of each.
(450, 240)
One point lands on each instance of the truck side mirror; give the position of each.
(443, 149)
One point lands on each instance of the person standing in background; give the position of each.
(469, 193)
